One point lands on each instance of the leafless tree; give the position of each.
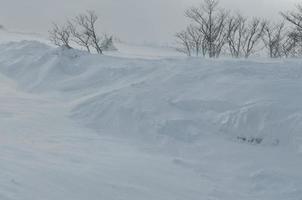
(88, 23)
(183, 39)
(289, 45)
(244, 36)
(295, 37)
(294, 17)
(196, 39)
(252, 36)
(292, 47)
(60, 35)
(236, 31)
(191, 41)
(212, 29)
(212, 23)
(273, 39)
(79, 35)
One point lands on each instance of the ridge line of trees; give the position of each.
(213, 30)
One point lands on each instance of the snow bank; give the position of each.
(212, 125)
(256, 102)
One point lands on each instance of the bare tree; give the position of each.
(60, 35)
(294, 17)
(295, 37)
(292, 47)
(273, 39)
(289, 45)
(183, 39)
(80, 37)
(88, 23)
(236, 31)
(191, 41)
(211, 21)
(252, 36)
(243, 36)
(81, 30)
(196, 39)
(213, 28)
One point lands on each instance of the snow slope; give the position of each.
(10, 36)
(125, 50)
(80, 126)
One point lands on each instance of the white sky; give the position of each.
(131, 20)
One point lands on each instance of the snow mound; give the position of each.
(165, 129)
(255, 102)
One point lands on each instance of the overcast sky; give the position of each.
(131, 20)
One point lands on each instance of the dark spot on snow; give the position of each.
(251, 140)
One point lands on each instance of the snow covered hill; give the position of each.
(81, 126)
(11, 35)
(180, 98)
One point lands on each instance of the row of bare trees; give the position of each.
(81, 31)
(214, 30)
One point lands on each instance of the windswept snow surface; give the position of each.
(75, 126)
(15, 36)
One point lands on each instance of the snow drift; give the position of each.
(257, 102)
(155, 128)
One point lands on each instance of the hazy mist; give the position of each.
(131, 20)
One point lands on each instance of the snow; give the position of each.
(144, 123)
(17, 36)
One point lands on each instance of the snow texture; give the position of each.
(76, 126)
